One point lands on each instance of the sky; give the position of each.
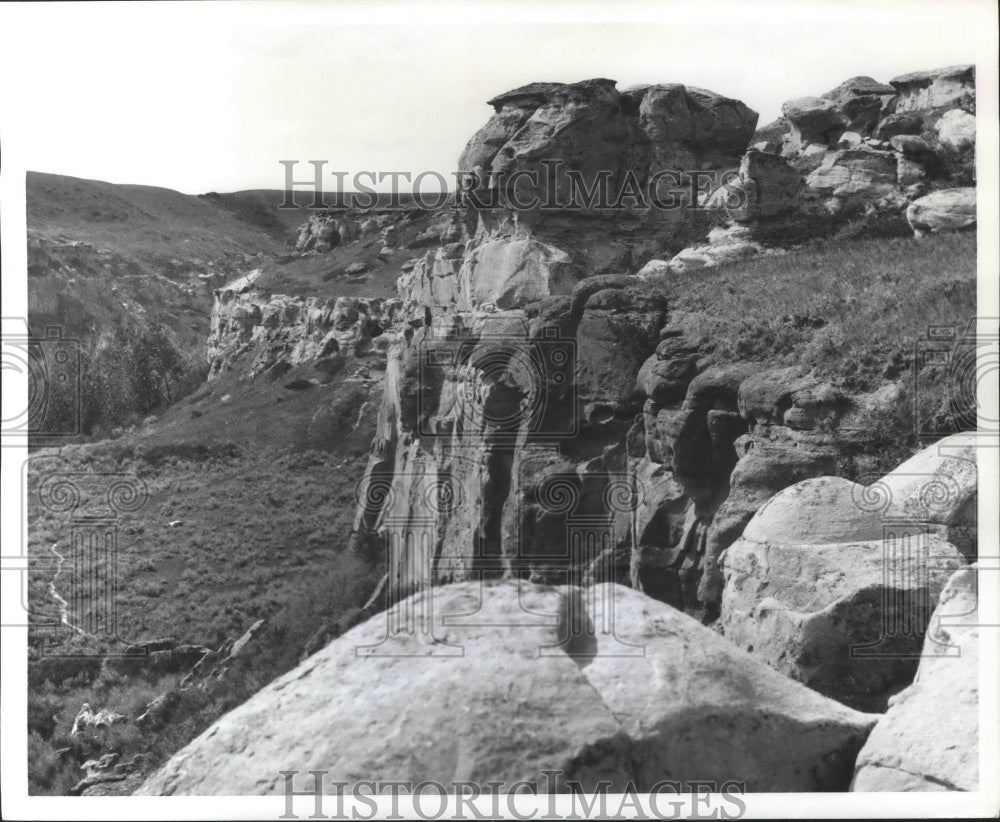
(211, 97)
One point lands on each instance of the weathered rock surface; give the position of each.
(593, 129)
(766, 185)
(951, 87)
(957, 129)
(457, 417)
(257, 332)
(832, 582)
(104, 770)
(88, 719)
(929, 738)
(505, 273)
(951, 209)
(725, 245)
(540, 690)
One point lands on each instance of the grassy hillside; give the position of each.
(251, 496)
(107, 263)
(854, 311)
(155, 225)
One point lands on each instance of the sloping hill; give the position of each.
(111, 262)
(153, 224)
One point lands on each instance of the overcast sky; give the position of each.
(200, 97)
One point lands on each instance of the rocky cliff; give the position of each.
(541, 387)
(562, 447)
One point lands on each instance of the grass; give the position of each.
(245, 519)
(855, 314)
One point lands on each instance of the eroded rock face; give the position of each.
(928, 740)
(868, 149)
(593, 129)
(487, 414)
(540, 691)
(844, 174)
(256, 333)
(951, 87)
(504, 273)
(833, 582)
(766, 185)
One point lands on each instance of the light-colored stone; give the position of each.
(929, 738)
(828, 567)
(654, 271)
(505, 273)
(950, 209)
(725, 245)
(957, 129)
(600, 683)
(765, 185)
(938, 88)
(88, 719)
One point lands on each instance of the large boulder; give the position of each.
(765, 185)
(831, 594)
(938, 486)
(851, 172)
(589, 128)
(764, 470)
(505, 682)
(949, 87)
(950, 209)
(816, 119)
(929, 738)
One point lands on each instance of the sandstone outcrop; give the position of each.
(593, 129)
(552, 679)
(957, 129)
(765, 185)
(832, 582)
(938, 486)
(256, 332)
(868, 149)
(951, 87)
(928, 740)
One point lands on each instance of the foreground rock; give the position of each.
(929, 739)
(523, 685)
(833, 582)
